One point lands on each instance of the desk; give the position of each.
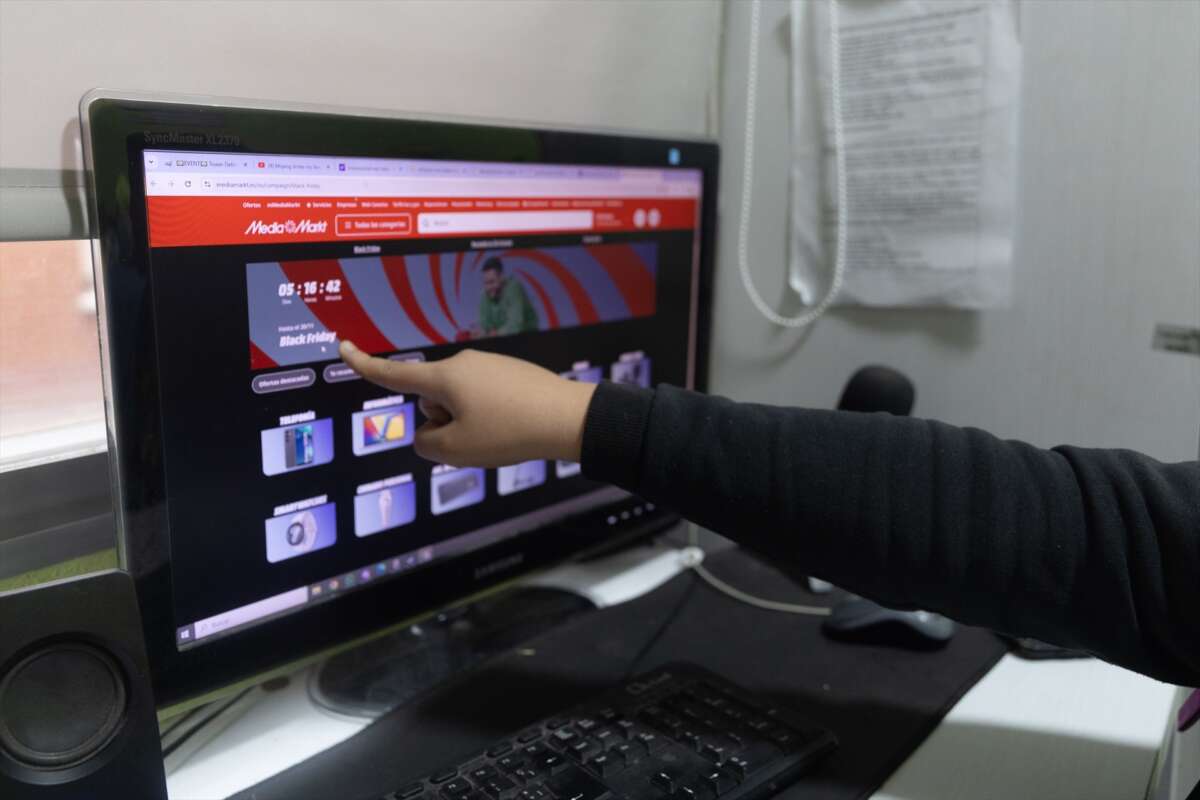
(1042, 729)
(1076, 728)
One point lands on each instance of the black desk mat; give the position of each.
(881, 702)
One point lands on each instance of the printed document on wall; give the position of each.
(929, 112)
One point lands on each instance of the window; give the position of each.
(51, 401)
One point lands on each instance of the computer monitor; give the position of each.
(270, 504)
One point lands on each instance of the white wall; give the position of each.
(638, 65)
(1108, 244)
(1108, 237)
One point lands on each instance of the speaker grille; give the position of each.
(60, 705)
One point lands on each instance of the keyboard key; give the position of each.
(735, 714)
(551, 764)
(443, 776)
(605, 736)
(534, 793)
(664, 782)
(562, 738)
(575, 784)
(604, 765)
(536, 750)
(737, 768)
(456, 788)
(626, 752)
(665, 722)
(583, 750)
(652, 742)
(483, 773)
(499, 750)
(719, 782)
(691, 740)
(500, 788)
(525, 775)
(586, 724)
(713, 753)
(529, 736)
(626, 728)
(556, 723)
(412, 790)
(608, 714)
(511, 763)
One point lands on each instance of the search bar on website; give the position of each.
(503, 221)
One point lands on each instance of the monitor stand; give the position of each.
(379, 675)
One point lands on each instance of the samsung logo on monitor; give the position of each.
(499, 565)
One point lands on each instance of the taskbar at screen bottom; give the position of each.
(294, 600)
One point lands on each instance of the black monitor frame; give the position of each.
(117, 128)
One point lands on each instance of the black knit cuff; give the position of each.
(613, 433)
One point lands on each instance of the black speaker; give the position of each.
(77, 715)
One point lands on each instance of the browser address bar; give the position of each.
(504, 221)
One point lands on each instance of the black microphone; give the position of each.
(878, 388)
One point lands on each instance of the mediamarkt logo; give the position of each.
(290, 226)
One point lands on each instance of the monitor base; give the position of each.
(379, 675)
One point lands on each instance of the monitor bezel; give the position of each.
(115, 127)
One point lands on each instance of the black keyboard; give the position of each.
(679, 732)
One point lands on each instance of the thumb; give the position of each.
(411, 377)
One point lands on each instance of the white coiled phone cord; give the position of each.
(835, 90)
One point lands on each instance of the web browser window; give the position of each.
(295, 480)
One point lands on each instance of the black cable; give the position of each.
(662, 628)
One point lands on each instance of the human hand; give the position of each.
(483, 409)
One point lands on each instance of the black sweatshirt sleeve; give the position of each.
(1097, 550)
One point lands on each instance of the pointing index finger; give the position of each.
(412, 377)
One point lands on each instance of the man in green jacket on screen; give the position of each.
(504, 308)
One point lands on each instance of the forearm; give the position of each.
(1093, 549)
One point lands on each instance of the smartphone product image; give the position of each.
(293, 447)
(298, 449)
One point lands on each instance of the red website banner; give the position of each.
(189, 221)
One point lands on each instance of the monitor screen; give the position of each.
(289, 484)
(295, 480)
